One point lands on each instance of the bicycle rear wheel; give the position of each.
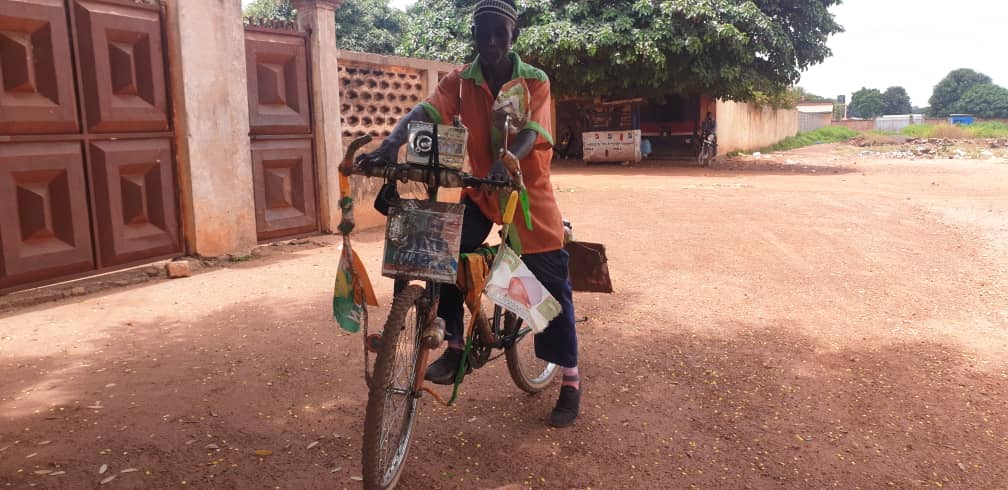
(530, 373)
(392, 403)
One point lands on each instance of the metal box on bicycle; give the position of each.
(422, 241)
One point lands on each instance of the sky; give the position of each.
(909, 43)
(913, 44)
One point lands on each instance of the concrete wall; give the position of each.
(745, 127)
(207, 59)
(811, 121)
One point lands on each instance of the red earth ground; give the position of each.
(828, 322)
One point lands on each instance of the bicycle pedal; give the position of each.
(373, 342)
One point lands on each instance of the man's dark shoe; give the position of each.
(567, 407)
(443, 370)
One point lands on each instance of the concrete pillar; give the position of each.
(210, 96)
(319, 18)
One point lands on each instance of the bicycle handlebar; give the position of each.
(432, 176)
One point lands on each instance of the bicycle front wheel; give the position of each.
(392, 403)
(530, 373)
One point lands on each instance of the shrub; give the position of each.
(979, 130)
(826, 134)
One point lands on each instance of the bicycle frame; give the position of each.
(431, 332)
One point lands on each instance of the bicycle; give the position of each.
(708, 150)
(413, 330)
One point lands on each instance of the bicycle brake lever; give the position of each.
(346, 166)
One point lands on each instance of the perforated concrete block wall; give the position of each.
(374, 97)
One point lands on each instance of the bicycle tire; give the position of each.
(707, 155)
(525, 377)
(379, 472)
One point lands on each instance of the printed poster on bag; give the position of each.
(513, 287)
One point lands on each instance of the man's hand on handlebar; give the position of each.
(498, 173)
(385, 154)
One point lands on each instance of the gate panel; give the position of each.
(283, 175)
(44, 224)
(134, 195)
(37, 76)
(277, 83)
(122, 67)
(283, 161)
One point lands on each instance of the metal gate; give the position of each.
(280, 120)
(87, 173)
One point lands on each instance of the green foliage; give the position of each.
(786, 99)
(619, 48)
(895, 100)
(438, 30)
(838, 111)
(991, 129)
(826, 134)
(948, 92)
(270, 9)
(978, 130)
(866, 103)
(918, 130)
(984, 100)
(371, 26)
(805, 96)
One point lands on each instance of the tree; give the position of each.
(371, 26)
(866, 103)
(895, 100)
(838, 111)
(431, 34)
(805, 96)
(620, 48)
(948, 92)
(984, 100)
(270, 9)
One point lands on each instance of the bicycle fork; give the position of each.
(431, 337)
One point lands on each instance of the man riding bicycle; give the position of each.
(470, 94)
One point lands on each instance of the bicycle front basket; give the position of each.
(422, 240)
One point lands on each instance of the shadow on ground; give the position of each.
(191, 401)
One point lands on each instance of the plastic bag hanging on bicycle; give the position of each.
(512, 286)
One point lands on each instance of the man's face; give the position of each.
(494, 35)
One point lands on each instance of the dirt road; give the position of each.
(833, 322)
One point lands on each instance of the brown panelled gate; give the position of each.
(87, 168)
(280, 120)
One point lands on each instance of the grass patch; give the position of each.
(918, 130)
(878, 138)
(990, 130)
(826, 134)
(979, 130)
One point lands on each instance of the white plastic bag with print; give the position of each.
(513, 287)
